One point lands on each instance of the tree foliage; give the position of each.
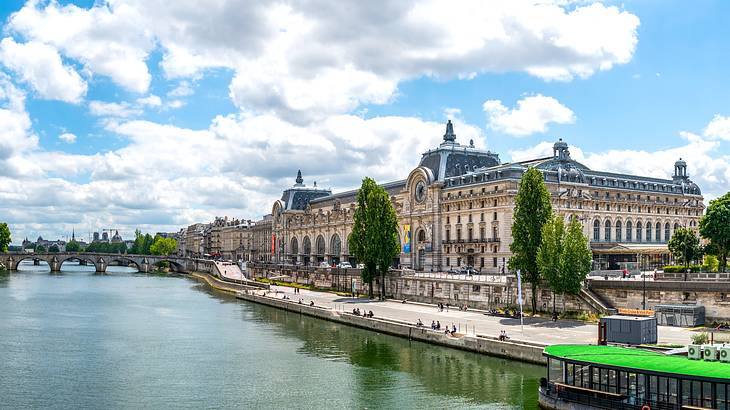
(564, 256)
(374, 238)
(163, 246)
(685, 245)
(54, 249)
(106, 247)
(73, 246)
(532, 210)
(4, 237)
(577, 257)
(550, 254)
(715, 227)
(40, 249)
(142, 243)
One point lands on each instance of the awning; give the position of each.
(633, 248)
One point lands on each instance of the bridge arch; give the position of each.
(127, 261)
(30, 256)
(174, 266)
(79, 258)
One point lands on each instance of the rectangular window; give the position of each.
(458, 261)
(494, 262)
(448, 262)
(495, 217)
(481, 263)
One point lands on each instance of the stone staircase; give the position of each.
(596, 303)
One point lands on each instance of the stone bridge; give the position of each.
(143, 263)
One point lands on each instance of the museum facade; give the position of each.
(455, 209)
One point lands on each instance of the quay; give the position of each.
(476, 331)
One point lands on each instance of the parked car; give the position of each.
(344, 265)
(324, 265)
(361, 266)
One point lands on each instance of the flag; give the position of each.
(519, 288)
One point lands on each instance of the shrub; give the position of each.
(700, 338)
(682, 269)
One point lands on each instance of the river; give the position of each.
(124, 340)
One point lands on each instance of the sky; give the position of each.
(151, 114)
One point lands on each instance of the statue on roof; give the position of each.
(449, 136)
(299, 177)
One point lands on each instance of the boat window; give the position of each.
(623, 383)
(707, 395)
(555, 370)
(612, 381)
(672, 390)
(721, 396)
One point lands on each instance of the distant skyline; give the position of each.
(155, 115)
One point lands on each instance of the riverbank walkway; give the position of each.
(535, 330)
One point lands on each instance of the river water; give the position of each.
(124, 340)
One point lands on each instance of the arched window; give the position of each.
(658, 232)
(307, 245)
(648, 231)
(629, 231)
(619, 236)
(667, 235)
(638, 231)
(320, 245)
(294, 246)
(421, 236)
(596, 231)
(676, 226)
(336, 245)
(607, 231)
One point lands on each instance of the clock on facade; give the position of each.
(420, 191)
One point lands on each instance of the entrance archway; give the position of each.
(294, 250)
(307, 250)
(335, 249)
(320, 247)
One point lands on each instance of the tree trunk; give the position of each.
(534, 298)
(553, 303)
(382, 286)
(563, 302)
(370, 289)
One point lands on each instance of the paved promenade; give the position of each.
(535, 330)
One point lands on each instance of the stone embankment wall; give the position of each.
(714, 296)
(499, 293)
(526, 352)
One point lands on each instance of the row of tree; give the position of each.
(543, 249)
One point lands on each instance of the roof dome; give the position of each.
(680, 162)
(560, 144)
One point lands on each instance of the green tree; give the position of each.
(40, 249)
(4, 237)
(54, 249)
(550, 254)
(73, 246)
(685, 245)
(532, 210)
(163, 246)
(715, 227)
(374, 238)
(577, 258)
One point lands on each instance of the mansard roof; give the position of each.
(298, 196)
(451, 159)
(391, 188)
(562, 168)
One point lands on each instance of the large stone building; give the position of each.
(456, 207)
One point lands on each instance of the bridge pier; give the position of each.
(101, 265)
(54, 264)
(144, 267)
(10, 263)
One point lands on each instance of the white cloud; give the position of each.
(110, 109)
(718, 128)
(304, 61)
(15, 128)
(41, 67)
(532, 115)
(108, 38)
(183, 89)
(150, 101)
(67, 137)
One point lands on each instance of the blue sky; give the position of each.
(134, 113)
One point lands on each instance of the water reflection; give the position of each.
(441, 371)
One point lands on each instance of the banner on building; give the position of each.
(407, 238)
(273, 243)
